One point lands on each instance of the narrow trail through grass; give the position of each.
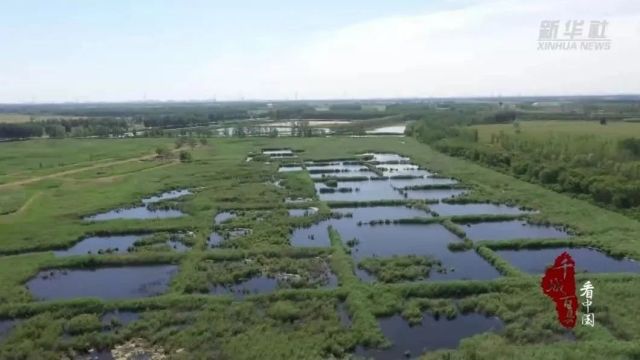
(75, 171)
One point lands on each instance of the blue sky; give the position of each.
(129, 50)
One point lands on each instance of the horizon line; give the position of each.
(266, 100)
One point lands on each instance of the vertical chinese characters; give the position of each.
(586, 291)
(559, 284)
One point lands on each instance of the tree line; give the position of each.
(606, 171)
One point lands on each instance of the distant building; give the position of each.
(322, 108)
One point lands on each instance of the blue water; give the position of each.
(143, 212)
(417, 239)
(139, 213)
(6, 326)
(215, 239)
(123, 318)
(381, 190)
(444, 209)
(366, 214)
(515, 229)
(223, 217)
(405, 239)
(92, 245)
(535, 261)
(430, 335)
(105, 283)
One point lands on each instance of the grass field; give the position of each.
(303, 323)
(23, 160)
(541, 129)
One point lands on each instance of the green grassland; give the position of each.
(25, 159)
(301, 323)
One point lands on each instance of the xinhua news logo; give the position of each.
(574, 35)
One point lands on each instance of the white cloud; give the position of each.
(487, 48)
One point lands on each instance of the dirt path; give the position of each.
(110, 178)
(92, 167)
(27, 203)
(74, 171)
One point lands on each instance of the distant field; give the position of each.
(25, 159)
(543, 128)
(14, 118)
(22, 118)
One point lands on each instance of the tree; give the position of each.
(185, 156)
(55, 131)
(603, 121)
(239, 131)
(192, 142)
(203, 142)
(516, 127)
(301, 129)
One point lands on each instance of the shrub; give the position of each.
(83, 323)
(284, 311)
(185, 156)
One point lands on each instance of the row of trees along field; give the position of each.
(592, 166)
(60, 128)
(100, 127)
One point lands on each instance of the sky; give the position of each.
(116, 50)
